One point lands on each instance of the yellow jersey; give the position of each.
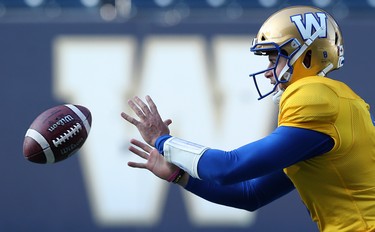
(338, 187)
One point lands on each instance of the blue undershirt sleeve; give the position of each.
(159, 143)
(248, 195)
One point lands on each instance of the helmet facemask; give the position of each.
(265, 49)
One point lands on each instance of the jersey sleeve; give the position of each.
(311, 106)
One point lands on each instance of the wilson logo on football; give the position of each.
(61, 122)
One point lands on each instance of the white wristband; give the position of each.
(184, 154)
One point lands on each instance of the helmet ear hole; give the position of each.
(307, 59)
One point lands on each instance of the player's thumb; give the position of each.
(168, 122)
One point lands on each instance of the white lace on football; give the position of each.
(67, 135)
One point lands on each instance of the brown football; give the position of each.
(57, 133)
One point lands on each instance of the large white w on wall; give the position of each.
(187, 83)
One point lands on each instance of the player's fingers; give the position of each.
(136, 109)
(152, 105)
(136, 165)
(130, 119)
(168, 122)
(141, 145)
(141, 104)
(138, 152)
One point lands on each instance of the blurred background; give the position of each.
(192, 57)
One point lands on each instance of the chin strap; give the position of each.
(307, 44)
(325, 70)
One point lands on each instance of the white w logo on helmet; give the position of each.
(310, 24)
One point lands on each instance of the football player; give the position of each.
(323, 146)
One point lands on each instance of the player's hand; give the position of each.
(155, 162)
(150, 125)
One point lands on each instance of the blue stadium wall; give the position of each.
(54, 197)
